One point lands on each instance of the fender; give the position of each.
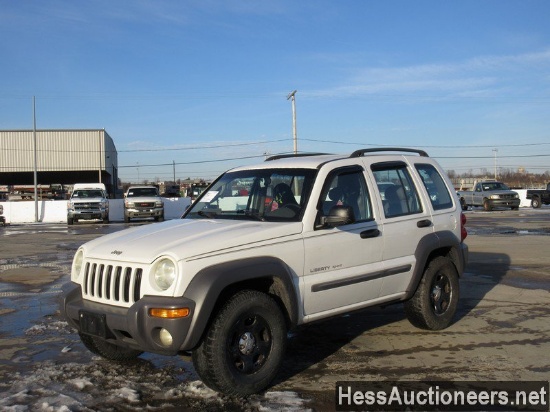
(208, 285)
(442, 243)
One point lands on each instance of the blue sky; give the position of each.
(196, 82)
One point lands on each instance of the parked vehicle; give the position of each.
(539, 197)
(267, 248)
(2, 218)
(490, 194)
(142, 202)
(88, 201)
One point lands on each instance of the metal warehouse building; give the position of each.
(62, 156)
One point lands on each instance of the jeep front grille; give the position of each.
(118, 285)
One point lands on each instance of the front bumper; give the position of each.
(146, 212)
(88, 214)
(504, 202)
(131, 327)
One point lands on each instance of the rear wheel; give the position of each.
(535, 202)
(108, 350)
(244, 346)
(436, 298)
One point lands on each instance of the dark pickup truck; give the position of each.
(539, 196)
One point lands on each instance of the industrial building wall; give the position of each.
(57, 150)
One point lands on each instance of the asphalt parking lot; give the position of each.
(501, 331)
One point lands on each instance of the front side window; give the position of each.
(397, 190)
(262, 194)
(347, 188)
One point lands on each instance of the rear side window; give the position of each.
(397, 190)
(435, 186)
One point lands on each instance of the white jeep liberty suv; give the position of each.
(267, 248)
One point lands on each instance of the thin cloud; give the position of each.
(479, 76)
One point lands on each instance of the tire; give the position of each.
(126, 219)
(487, 205)
(243, 347)
(435, 301)
(108, 350)
(463, 204)
(70, 221)
(535, 202)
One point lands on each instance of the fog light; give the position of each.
(165, 337)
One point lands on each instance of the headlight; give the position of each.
(164, 272)
(495, 197)
(130, 205)
(77, 264)
(70, 205)
(158, 204)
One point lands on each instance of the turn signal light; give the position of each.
(169, 313)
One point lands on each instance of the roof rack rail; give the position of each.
(289, 155)
(361, 152)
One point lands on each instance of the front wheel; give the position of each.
(487, 205)
(244, 345)
(535, 202)
(435, 301)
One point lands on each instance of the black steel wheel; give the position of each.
(244, 346)
(436, 299)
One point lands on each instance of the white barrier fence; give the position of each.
(55, 211)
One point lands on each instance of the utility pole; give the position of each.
(292, 96)
(35, 159)
(495, 150)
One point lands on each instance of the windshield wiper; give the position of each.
(208, 215)
(251, 214)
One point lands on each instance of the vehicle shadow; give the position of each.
(312, 344)
(483, 272)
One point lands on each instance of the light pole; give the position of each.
(292, 96)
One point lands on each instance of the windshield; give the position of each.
(490, 186)
(143, 192)
(263, 194)
(88, 193)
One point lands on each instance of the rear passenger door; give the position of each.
(406, 220)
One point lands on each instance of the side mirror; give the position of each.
(337, 216)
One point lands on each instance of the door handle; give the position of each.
(424, 223)
(369, 233)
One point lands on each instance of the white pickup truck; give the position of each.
(88, 201)
(268, 248)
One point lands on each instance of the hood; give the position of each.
(143, 199)
(186, 238)
(87, 200)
